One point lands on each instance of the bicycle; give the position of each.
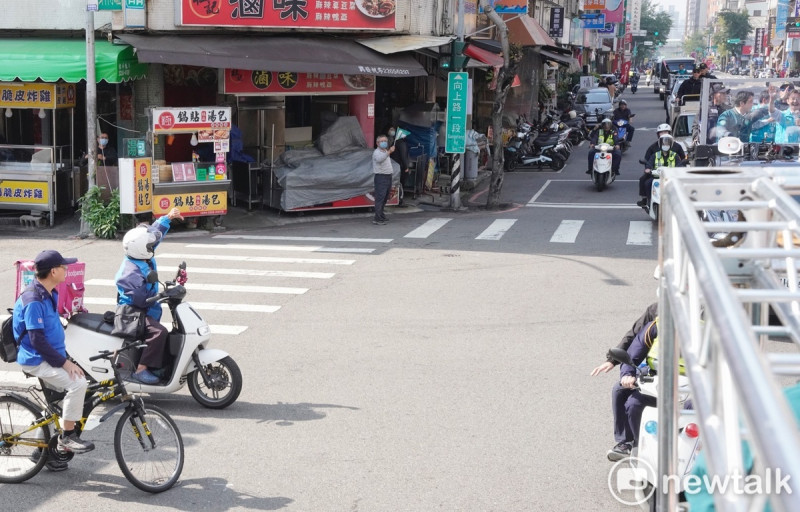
(147, 444)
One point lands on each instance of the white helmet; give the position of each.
(606, 120)
(663, 127)
(139, 243)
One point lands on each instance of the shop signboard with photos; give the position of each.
(244, 82)
(329, 15)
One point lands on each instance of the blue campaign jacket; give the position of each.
(36, 316)
(131, 278)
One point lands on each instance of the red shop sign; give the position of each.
(328, 14)
(242, 81)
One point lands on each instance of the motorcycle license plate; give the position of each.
(591, 118)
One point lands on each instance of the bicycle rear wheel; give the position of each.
(21, 452)
(153, 462)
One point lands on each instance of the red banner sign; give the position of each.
(327, 14)
(594, 5)
(240, 81)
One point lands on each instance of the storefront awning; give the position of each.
(564, 60)
(492, 59)
(295, 54)
(65, 59)
(526, 31)
(396, 44)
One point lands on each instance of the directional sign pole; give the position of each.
(457, 119)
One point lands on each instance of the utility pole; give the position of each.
(458, 158)
(91, 104)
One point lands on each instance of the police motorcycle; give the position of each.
(213, 377)
(653, 205)
(634, 83)
(644, 458)
(602, 176)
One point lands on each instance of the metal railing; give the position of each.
(714, 305)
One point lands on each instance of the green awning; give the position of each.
(65, 59)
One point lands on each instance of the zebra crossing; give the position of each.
(299, 263)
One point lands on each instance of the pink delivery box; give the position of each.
(70, 292)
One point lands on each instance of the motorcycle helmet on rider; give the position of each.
(663, 129)
(140, 242)
(606, 124)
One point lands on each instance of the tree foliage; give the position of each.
(697, 42)
(652, 21)
(731, 25)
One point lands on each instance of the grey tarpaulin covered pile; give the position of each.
(339, 168)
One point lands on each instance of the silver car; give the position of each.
(596, 103)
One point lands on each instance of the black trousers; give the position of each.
(156, 339)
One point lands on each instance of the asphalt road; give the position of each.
(439, 362)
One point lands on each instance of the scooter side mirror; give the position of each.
(152, 277)
(621, 356)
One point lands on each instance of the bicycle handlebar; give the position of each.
(106, 354)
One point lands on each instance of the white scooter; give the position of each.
(214, 378)
(644, 460)
(601, 168)
(653, 206)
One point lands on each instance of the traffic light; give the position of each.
(655, 33)
(458, 61)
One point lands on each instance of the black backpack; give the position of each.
(8, 343)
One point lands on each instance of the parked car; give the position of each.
(604, 78)
(596, 103)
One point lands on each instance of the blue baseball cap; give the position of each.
(46, 260)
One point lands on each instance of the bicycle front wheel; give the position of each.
(149, 449)
(23, 450)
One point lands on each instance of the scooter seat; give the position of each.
(93, 322)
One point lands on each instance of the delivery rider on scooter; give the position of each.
(608, 135)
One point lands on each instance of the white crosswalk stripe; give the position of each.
(255, 259)
(567, 232)
(427, 229)
(640, 232)
(496, 230)
(219, 287)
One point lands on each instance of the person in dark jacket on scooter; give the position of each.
(623, 112)
(133, 289)
(605, 134)
(666, 156)
(648, 316)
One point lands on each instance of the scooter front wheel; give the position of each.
(225, 380)
(557, 163)
(599, 182)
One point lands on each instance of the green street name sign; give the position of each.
(734, 41)
(110, 5)
(457, 85)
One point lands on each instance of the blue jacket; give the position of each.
(36, 313)
(131, 278)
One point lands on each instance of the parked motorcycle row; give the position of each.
(548, 144)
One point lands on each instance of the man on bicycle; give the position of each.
(42, 352)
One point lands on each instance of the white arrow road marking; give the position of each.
(567, 232)
(427, 229)
(496, 230)
(218, 287)
(640, 232)
(256, 259)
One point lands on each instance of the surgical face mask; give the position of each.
(665, 147)
(383, 144)
(391, 133)
(103, 142)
